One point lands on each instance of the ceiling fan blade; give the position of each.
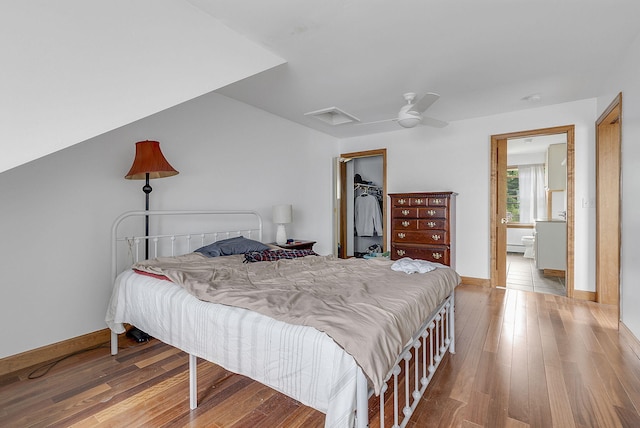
(425, 102)
(376, 121)
(429, 121)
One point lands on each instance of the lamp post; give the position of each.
(148, 163)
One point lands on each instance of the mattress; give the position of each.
(298, 361)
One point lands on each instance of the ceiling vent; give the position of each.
(333, 116)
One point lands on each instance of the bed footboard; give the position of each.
(418, 363)
(409, 378)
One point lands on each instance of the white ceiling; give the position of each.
(72, 69)
(482, 57)
(537, 144)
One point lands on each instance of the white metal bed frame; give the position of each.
(427, 348)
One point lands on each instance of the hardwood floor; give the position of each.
(523, 360)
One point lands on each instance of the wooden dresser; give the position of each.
(423, 226)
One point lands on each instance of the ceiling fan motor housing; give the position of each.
(408, 118)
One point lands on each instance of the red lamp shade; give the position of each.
(149, 159)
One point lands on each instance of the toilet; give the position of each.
(528, 242)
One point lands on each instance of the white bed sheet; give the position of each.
(299, 361)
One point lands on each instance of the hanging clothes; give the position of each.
(368, 216)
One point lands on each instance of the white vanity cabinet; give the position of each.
(551, 245)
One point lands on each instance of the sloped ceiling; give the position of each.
(74, 69)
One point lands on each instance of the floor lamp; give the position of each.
(149, 163)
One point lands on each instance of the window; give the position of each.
(513, 195)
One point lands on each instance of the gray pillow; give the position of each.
(228, 247)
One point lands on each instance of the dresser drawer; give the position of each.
(408, 212)
(430, 253)
(438, 202)
(420, 236)
(419, 202)
(413, 212)
(418, 224)
(435, 212)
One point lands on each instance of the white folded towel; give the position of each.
(409, 265)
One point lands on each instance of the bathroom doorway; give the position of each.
(544, 220)
(361, 175)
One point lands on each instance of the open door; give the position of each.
(499, 211)
(499, 217)
(356, 172)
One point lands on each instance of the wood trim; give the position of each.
(629, 338)
(498, 276)
(342, 235)
(554, 272)
(480, 282)
(617, 101)
(570, 131)
(608, 210)
(584, 295)
(520, 226)
(365, 154)
(52, 352)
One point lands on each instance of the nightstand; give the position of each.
(296, 245)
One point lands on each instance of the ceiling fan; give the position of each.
(410, 115)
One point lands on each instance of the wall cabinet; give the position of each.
(423, 226)
(556, 167)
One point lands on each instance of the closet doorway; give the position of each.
(361, 223)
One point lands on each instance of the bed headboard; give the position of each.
(176, 233)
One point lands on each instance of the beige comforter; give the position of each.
(368, 309)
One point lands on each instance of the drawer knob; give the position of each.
(435, 237)
(402, 201)
(405, 212)
(406, 223)
(419, 201)
(436, 256)
(431, 212)
(400, 252)
(437, 201)
(401, 235)
(431, 224)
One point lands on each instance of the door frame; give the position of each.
(608, 168)
(342, 189)
(498, 202)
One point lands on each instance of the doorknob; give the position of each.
(504, 221)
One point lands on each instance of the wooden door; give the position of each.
(608, 204)
(499, 212)
(498, 202)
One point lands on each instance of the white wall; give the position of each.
(457, 158)
(625, 79)
(57, 211)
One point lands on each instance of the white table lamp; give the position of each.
(282, 214)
